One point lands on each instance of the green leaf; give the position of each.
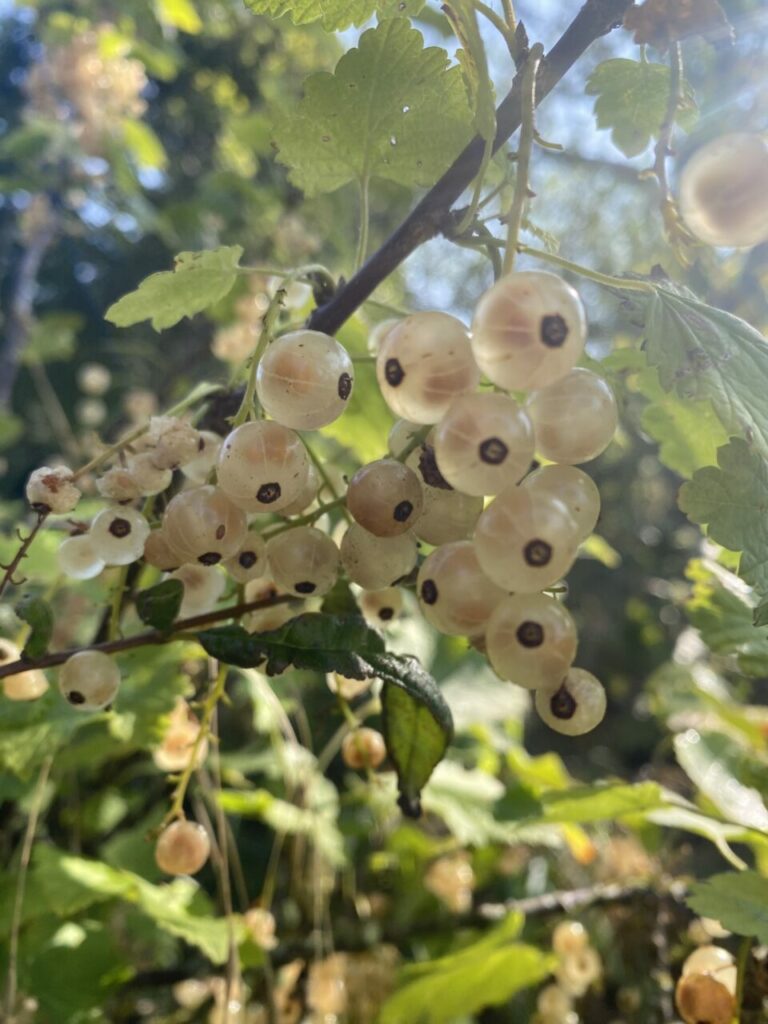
(333, 14)
(722, 611)
(738, 900)
(631, 101)
(39, 617)
(197, 281)
(159, 605)
(720, 833)
(143, 145)
(601, 802)
(392, 109)
(732, 499)
(340, 600)
(11, 428)
(180, 14)
(705, 353)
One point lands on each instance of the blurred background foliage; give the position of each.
(131, 132)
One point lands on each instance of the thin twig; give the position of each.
(524, 150)
(567, 901)
(10, 569)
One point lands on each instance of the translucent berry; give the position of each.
(78, 558)
(347, 688)
(526, 541)
(713, 960)
(118, 484)
(554, 1004)
(304, 380)
(576, 706)
(149, 479)
(702, 999)
(723, 198)
(569, 938)
(379, 333)
(531, 640)
(264, 619)
(203, 586)
(575, 418)
(577, 971)
(385, 498)
(263, 466)
(183, 848)
(528, 330)
(174, 442)
(94, 378)
(484, 444)
(381, 606)
(303, 561)
(306, 496)
(424, 362)
(51, 489)
(159, 552)
(261, 927)
(178, 744)
(452, 880)
(119, 535)
(204, 526)
(376, 562)
(201, 466)
(89, 680)
(575, 488)
(455, 595)
(447, 516)
(363, 748)
(26, 685)
(250, 560)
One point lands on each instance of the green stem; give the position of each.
(365, 218)
(745, 949)
(304, 520)
(607, 280)
(525, 148)
(507, 31)
(414, 443)
(276, 303)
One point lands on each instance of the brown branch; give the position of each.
(156, 636)
(9, 570)
(595, 19)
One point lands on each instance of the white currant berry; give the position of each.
(303, 561)
(716, 961)
(385, 498)
(204, 526)
(261, 926)
(484, 444)
(94, 379)
(575, 488)
(198, 469)
(264, 619)
(51, 489)
(569, 938)
(158, 551)
(379, 333)
(554, 1004)
(575, 418)
(381, 606)
(576, 706)
(455, 595)
(178, 744)
(702, 999)
(723, 195)
(174, 442)
(263, 466)
(452, 879)
(424, 362)
(577, 971)
(345, 687)
(182, 848)
(401, 435)
(306, 496)
(304, 380)
(528, 330)
(29, 684)
(447, 516)
(376, 562)
(203, 586)
(119, 535)
(250, 560)
(363, 748)
(525, 541)
(531, 640)
(148, 477)
(89, 680)
(78, 557)
(119, 484)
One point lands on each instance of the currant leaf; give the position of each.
(738, 900)
(38, 615)
(159, 605)
(333, 14)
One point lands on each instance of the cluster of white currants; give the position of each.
(579, 967)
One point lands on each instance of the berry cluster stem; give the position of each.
(524, 150)
(266, 334)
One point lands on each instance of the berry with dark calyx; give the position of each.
(575, 418)
(455, 595)
(199, 468)
(119, 534)
(574, 707)
(484, 443)
(303, 561)
(89, 680)
(376, 562)
(262, 466)
(250, 560)
(423, 363)
(528, 330)
(182, 848)
(204, 526)
(363, 748)
(381, 606)
(531, 640)
(305, 379)
(574, 488)
(385, 498)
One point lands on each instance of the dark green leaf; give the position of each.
(159, 605)
(737, 899)
(340, 600)
(39, 617)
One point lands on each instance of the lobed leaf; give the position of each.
(738, 900)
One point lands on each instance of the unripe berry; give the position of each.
(723, 198)
(385, 498)
(424, 362)
(89, 680)
(94, 378)
(554, 1004)
(304, 380)
(50, 489)
(526, 541)
(261, 925)
(376, 562)
(175, 751)
(576, 706)
(701, 999)
(577, 491)
(528, 330)
(118, 484)
(119, 535)
(484, 444)
(78, 558)
(149, 479)
(262, 466)
(381, 606)
(455, 595)
(182, 848)
(575, 418)
(363, 748)
(531, 640)
(264, 619)
(174, 442)
(303, 561)
(204, 526)
(347, 688)
(250, 560)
